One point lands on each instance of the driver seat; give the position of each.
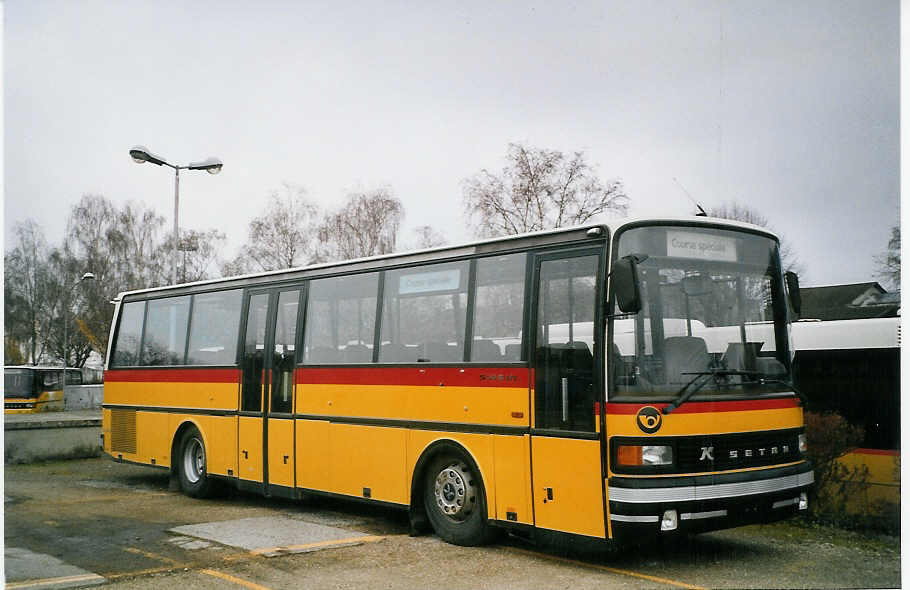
(684, 354)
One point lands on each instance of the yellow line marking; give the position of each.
(318, 544)
(153, 570)
(612, 570)
(62, 580)
(232, 558)
(155, 556)
(240, 581)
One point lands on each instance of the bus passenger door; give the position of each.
(565, 438)
(250, 422)
(265, 425)
(280, 413)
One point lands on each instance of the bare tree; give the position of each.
(141, 247)
(367, 225)
(282, 237)
(12, 351)
(889, 262)
(739, 212)
(26, 277)
(426, 236)
(200, 253)
(539, 189)
(67, 294)
(125, 248)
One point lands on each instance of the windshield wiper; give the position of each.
(683, 396)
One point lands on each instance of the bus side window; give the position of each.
(129, 331)
(498, 308)
(424, 313)
(166, 322)
(213, 328)
(341, 319)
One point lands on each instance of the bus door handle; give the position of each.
(565, 399)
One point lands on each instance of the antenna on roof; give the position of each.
(701, 211)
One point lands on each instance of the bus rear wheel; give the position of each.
(191, 465)
(454, 501)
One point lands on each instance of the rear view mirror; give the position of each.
(796, 301)
(625, 283)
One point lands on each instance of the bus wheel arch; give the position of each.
(445, 471)
(189, 461)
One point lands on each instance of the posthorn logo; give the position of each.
(649, 419)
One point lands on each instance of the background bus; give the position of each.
(472, 385)
(28, 389)
(852, 368)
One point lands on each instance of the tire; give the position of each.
(455, 502)
(192, 465)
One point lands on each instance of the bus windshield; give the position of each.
(18, 382)
(713, 316)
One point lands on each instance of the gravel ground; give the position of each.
(113, 519)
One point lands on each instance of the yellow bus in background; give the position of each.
(606, 383)
(29, 389)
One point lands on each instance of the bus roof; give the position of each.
(846, 334)
(488, 245)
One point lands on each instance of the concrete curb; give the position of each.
(29, 438)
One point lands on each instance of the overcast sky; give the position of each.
(789, 107)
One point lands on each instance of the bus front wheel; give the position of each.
(454, 501)
(191, 465)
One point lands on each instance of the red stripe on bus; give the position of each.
(172, 375)
(889, 452)
(707, 407)
(429, 376)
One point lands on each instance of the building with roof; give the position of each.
(849, 302)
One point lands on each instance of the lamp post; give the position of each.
(86, 277)
(141, 155)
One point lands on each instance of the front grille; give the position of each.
(123, 431)
(737, 451)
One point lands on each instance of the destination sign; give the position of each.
(684, 244)
(428, 282)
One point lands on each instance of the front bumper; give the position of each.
(21, 405)
(709, 502)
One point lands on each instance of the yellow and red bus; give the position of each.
(30, 389)
(610, 383)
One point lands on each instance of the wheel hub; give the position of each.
(454, 491)
(194, 460)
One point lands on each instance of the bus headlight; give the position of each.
(803, 444)
(641, 455)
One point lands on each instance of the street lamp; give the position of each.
(141, 155)
(86, 277)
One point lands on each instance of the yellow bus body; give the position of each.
(46, 401)
(372, 429)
